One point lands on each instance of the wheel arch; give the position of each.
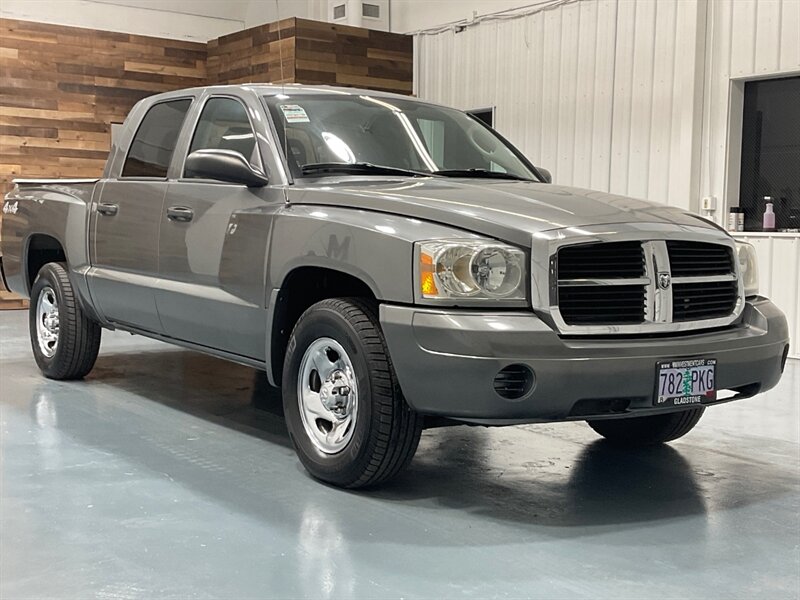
(301, 288)
(40, 249)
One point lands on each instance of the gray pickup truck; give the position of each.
(392, 265)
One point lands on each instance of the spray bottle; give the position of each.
(769, 215)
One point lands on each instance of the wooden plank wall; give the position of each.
(332, 54)
(62, 87)
(254, 55)
(313, 52)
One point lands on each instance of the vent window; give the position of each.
(373, 11)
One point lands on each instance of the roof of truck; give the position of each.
(274, 89)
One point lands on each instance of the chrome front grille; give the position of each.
(687, 259)
(602, 283)
(703, 300)
(601, 261)
(597, 304)
(642, 286)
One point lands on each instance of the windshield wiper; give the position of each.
(477, 173)
(359, 168)
(365, 168)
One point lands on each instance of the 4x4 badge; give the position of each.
(10, 208)
(664, 280)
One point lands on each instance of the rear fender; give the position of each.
(50, 213)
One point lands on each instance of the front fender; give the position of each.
(377, 248)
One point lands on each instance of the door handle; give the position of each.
(108, 210)
(180, 213)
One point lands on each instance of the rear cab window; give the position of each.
(154, 143)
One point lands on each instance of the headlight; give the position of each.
(748, 267)
(469, 270)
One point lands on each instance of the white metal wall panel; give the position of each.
(603, 47)
(586, 89)
(779, 277)
(746, 38)
(789, 48)
(750, 38)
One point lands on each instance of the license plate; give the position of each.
(685, 382)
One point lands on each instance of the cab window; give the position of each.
(152, 146)
(223, 125)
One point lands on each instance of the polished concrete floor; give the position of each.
(157, 477)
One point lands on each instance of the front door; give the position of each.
(124, 233)
(213, 244)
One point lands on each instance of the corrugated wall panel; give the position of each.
(767, 36)
(686, 126)
(602, 95)
(789, 50)
(631, 148)
(580, 166)
(663, 101)
(779, 277)
(749, 38)
(746, 38)
(557, 91)
(588, 90)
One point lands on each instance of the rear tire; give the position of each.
(363, 433)
(65, 341)
(648, 431)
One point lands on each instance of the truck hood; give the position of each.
(509, 210)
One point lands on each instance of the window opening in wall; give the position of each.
(372, 11)
(484, 114)
(770, 164)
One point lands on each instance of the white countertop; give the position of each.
(764, 234)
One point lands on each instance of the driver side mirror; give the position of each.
(548, 178)
(223, 165)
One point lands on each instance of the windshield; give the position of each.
(327, 130)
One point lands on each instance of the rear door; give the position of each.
(123, 240)
(213, 240)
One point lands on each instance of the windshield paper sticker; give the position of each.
(294, 114)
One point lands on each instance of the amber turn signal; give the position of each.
(427, 282)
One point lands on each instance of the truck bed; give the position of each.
(44, 211)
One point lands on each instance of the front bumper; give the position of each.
(446, 362)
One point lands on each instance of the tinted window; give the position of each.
(224, 125)
(154, 142)
(771, 152)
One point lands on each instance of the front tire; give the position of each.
(65, 341)
(648, 431)
(346, 415)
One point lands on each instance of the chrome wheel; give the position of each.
(47, 322)
(327, 391)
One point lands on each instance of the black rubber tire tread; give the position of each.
(648, 431)
(396, 429)
(79, 336)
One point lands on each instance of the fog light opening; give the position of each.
(514, 382)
